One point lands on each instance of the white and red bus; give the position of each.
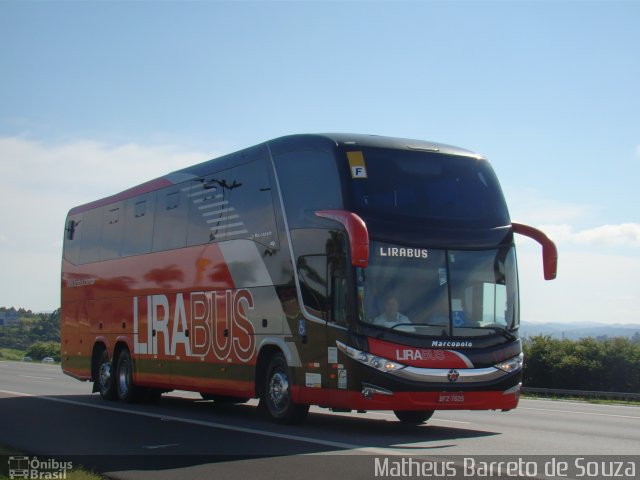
(353, 272)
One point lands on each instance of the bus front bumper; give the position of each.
(375, 398)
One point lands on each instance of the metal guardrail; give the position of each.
(582, 393)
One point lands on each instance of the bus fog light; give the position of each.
(369, 390)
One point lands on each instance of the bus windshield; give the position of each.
(448, 190)
(439, 292)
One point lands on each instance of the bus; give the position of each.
(351, 272)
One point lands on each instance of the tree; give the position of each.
(39, 350)
(587, 364)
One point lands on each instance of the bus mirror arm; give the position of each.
(549, 250)
(356, 231)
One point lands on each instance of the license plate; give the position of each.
(451, 398)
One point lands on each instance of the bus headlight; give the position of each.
(511, 365)
(379, 363)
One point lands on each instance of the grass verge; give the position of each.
(11, 354)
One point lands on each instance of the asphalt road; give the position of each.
(44, 412)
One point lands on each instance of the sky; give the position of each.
(96, 97)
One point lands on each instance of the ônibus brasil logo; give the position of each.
(34, 468)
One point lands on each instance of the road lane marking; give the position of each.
(155, 447)
(579, 413)
(31, 376)
(222, 426)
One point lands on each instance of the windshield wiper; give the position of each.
(498, 329)
(411, 324)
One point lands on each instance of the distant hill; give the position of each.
(575, 331)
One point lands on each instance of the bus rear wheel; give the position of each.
(105, 378)
(413, 417)
(127, 391)
(277, 393)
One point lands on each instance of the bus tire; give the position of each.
(127, 391)
(277, 393)
(413, 417)
(105, 378)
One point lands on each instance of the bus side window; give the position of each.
(209, 208)
(337, 248)
(303, 197)
(251, 200)
(197, 231)
(312, 272)
(339, 300)
(138, 236)
(112, 231)
(172, 210)
(91, 243)
(72, 239)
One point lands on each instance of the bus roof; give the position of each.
(343, 140)
(378, 141)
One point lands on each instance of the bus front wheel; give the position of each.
(277, 393)
(413, 417)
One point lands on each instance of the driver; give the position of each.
(391, 316)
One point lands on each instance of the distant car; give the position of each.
(27, 359)
(48, 360)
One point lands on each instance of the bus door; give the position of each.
(337, 330)
(311, 328)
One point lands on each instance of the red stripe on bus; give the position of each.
(419, 357)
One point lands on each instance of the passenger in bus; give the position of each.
(391, 316)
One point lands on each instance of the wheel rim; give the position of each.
(124, 377)
(105, 375)
(279, 390)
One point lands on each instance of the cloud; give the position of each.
(40, 183)
(87, 169)
(531, 207)
(621, 235)
(591, 287)
(559, 221)
(597, 265)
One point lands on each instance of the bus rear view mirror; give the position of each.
(549, 250)
(71, 229)
(357, 232)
